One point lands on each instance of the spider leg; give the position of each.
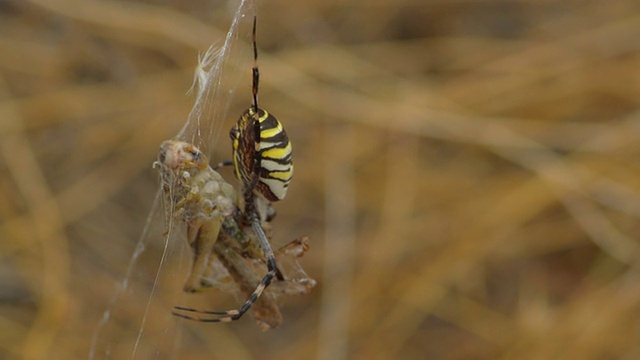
(222, 164)
(252, 216)
(266, 248)
(235, 314)
(229, 315)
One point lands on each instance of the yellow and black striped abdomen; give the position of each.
(262, 150)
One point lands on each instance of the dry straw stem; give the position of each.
(474, 165)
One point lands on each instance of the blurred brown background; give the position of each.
(466, 170)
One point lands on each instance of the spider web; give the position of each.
(138, 322)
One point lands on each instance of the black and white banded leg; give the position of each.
(235, 314)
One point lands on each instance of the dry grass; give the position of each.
(465, 171)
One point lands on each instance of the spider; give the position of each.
(263, 164)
